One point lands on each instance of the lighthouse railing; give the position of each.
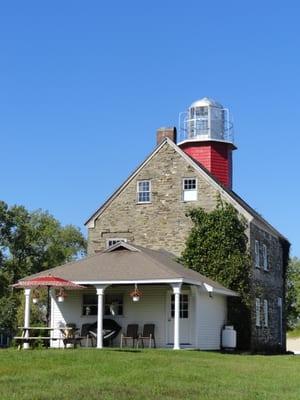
(205, 127)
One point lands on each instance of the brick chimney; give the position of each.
(169, 132)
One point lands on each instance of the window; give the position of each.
(265, 258)
(111, 241)
(144, 191)
(202, 125)
(266, 313)
(201, 111)
(257, 254)
(257, 311)
(113, 304)
(189, 189)
(89, 304)
(183, 306)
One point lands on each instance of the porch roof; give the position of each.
(126, 263)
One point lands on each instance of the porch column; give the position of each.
(100, 292)
(27, 315)
(176, 291)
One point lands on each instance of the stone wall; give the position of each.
(163, 222)
(267, 285)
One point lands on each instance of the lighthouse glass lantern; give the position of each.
(205, 119)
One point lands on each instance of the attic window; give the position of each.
(111, 241)
(189, 189)
(144, 191)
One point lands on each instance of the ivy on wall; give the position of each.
(217, 248)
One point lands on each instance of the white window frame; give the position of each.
(138, 191)
(256, 252)
(189, 190)
(266, 313)
(115, 240)
(265, 257)
(257, 312)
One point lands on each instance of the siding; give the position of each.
(211, 319)
(150, 309)
(216, 157)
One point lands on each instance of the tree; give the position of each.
(31, 242)
(217, 247)
(293, 293)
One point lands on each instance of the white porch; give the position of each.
(187, 309)
(185, 316)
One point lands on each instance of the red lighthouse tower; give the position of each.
(206, 136)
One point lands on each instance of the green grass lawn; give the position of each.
(146, 374)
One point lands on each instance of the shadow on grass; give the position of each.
(126, 350)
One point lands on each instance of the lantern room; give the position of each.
(205, 119)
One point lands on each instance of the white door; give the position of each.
(185, 315)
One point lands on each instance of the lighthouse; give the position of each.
(206, 135)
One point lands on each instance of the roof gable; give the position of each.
(242, 207)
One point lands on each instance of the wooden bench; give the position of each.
(32, 339)
(26, 337)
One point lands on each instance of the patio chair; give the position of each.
(148, 334)
(69, 335)
(131, 333)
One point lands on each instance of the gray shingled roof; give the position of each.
(124, 262)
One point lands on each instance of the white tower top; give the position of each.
(205, 120)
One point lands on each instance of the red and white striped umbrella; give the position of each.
(49, 280)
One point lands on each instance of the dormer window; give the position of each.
(190, 189)
(112, 241)
(144, 191)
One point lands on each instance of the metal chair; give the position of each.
(131, 333)
(148, 334)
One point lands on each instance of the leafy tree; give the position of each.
(293, 293)
(31, 242)
(217, 247)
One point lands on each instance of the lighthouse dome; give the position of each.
(204, 102)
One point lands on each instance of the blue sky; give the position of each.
(85, 85)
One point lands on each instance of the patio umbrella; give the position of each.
(47, 281)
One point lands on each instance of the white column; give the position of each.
(27, 315)
(51, 325)
(100, 293)
(176, 291)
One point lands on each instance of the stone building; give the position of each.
(149, 209)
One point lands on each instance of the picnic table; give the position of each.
(27, 335)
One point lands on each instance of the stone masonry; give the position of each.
(267, 285)
(163, 222)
